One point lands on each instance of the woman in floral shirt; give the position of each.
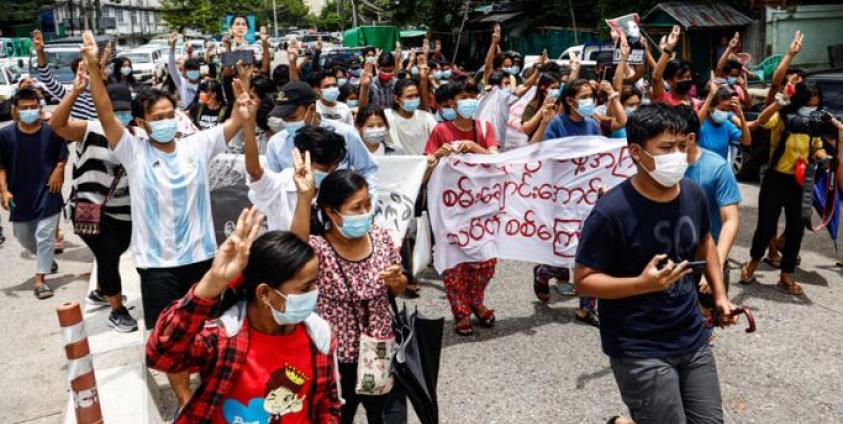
(359, 269)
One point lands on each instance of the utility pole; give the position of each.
(353, 13)
(274, 18)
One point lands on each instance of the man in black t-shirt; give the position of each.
(650, 324)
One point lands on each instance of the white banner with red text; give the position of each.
(526, 204)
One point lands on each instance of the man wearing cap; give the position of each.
(99, 179)
(295, 105)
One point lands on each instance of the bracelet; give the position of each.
(614, 95)
(667, 51)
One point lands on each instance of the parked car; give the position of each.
(342, 56)
(144, 61)
(10, 74)
(61, 52)
(750, 164)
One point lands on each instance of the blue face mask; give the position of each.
(437, 75)
(126, 71)
(356, 226)
(330, 94)
(164, 130)
(371, 59)
(319, 176)
(553, 93)
(512, 70)
(352, 102)
(192, 74)
(297, 307)
(293, 127)
(448, 114)
(356, 72)
(342, 81)
(719, 116)
(731, 80)
(414, 70)
(585, 107)
(467, 107)
(29, 116)
(410, 105)
(124, 116)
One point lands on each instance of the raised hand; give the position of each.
(548, 110)
(264, 35)
(174, 36)
(90, 51)
(606, 87)
(438, 46)
(496, 34)
(625, 50)
(38, 41)
(106, 54)
(366, 76)
(796, 44)
(673, 38)
(226, 42)
(233, 254)
(736, 107)
(733, 43)
(80, 82)
(573, 61)
(244, 72)
(303, 174)
(246, 107)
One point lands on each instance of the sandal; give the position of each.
(486, 318)
(565, 288)
(747, 280)
(540, 287)
(590, 317)
(463, 327)
(773, 262)
(791, 288)
(43, 292)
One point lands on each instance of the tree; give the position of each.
(23, 11)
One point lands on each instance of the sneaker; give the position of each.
(121, 321)
(96, 298)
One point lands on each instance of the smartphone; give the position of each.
(231, 58)
(697, 267)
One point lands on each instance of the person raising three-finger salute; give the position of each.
(633, 256)
(269, 346)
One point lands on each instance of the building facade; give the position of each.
(122, 18)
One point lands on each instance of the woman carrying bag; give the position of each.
(359, 271)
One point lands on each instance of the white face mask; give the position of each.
(374, 135)
(670, 167)
(806, 110)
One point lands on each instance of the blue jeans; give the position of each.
(37, 237)
(677, 390)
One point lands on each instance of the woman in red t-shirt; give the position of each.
(269, 356)
(465, 284)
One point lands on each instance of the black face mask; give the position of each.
(683, 87)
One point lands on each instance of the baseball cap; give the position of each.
(292, 95)
(121, 96)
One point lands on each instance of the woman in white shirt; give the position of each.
(409, 127)
(373, 127)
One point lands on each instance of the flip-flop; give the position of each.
(792, 289)
(590, 318)
(752, 280)
(43, 292)
(775, 264)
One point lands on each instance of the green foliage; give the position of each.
(23, 11)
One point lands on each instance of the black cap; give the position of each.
(121, 96)
(292, 95)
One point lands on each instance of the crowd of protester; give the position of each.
(280, 317)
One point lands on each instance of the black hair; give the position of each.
(367, 112)
(326, 147)
(675, 68)
(213, 86)
(650, 121)
(570, 91)
(145, 99)
(804, 91)
(347, 90)
(443, 93)
(629, 91)
(281, 75)
(116, 76)
(192, 64)
(239, 15)
(74, 64)
(400, 86)
(262, 85)
(25, 94)
(335, 189)
(274, 258)
(499, 58)
(316, 81)
(723, 93)
(732, 64)
(386, 59)
(496, 77)
(546, 79)
(692, 121)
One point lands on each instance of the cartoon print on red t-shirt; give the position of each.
(282, 391)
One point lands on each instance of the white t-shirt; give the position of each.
(409, 136)
(276, 197)
(171, 200)
(338, 112)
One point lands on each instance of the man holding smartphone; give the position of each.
(650, 325)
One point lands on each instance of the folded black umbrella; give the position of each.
(415, 366)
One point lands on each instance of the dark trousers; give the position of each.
(374, 405)
(162, 286)
(678, 390)
(779, 191)
(114, 238)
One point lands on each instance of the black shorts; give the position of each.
(162, 286)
